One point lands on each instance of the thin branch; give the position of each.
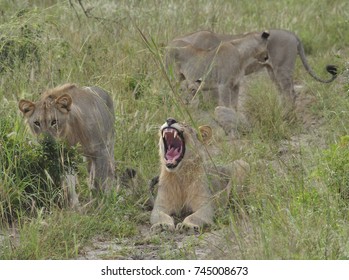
(88, 14)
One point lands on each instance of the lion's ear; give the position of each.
(63, 103)
(26, 107)
(206, 133)
(265, 34)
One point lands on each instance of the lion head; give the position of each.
(180, 144)
(52, 113)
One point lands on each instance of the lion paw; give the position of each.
(188, 228)
(160, 227)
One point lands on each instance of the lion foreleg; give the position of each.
(161, 221)
(203, 216)
(69, 190)
(228, 95)
(102, 173)
(92, 174)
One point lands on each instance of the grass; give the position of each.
(297, 204)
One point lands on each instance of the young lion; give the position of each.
(220, 67)
(184, 187)
(78, 115)
(283, 47)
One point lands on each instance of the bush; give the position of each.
(31, 174)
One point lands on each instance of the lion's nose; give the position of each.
(170, 121)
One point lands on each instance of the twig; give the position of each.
(88, 14)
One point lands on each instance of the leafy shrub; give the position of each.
(30, 174)
(21, 45)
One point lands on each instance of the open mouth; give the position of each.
(174, 146)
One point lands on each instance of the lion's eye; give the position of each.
(37, 123)
(54, 122)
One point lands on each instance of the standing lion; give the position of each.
(78, 115)
(283, 46)
(221, 67)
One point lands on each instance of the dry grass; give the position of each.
(293, 209)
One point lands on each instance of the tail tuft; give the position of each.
(332, 69)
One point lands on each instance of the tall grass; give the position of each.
(296, 206)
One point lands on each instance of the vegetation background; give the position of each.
(296, 206)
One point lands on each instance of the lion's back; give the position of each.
(103, 95)
(96, 108)
(94, 103)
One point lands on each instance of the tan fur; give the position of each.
(220, 67)
(78, 115)
(185, 189)
(283, 47)
(231, 121)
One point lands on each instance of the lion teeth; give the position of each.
(172, 131)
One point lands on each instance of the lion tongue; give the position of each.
(172, 154)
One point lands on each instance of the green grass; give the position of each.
(297, 204)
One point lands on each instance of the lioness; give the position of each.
(220, 67)
(283, 47)
(78, 115)
(184, 185)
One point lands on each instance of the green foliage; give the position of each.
(62, 234)
(335, 166)
(21, 47)
(31, 174)
(290, 211)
